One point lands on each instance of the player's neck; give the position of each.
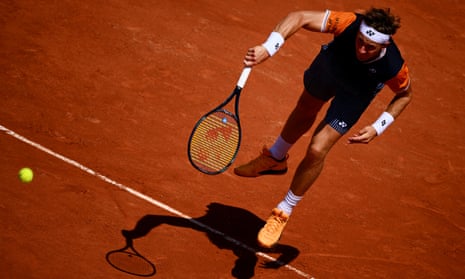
(380, 55)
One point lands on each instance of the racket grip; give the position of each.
(244, 76)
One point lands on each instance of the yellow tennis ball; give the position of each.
(25, 175)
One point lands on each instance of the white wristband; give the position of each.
(273, 43)
(383, 122)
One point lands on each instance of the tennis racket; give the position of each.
(215, 139)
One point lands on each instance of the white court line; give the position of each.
(147, 199)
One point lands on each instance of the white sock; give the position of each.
(289, 202)
(280, 148)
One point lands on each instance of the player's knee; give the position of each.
(315, 154)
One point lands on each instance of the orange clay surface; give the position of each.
(116, 87)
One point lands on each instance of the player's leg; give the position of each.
(311, 166)
(343, 113)
(302, 117)
(274, 160)
(307, 172)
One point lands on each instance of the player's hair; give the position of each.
(382, 20)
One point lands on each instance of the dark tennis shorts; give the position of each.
(346, 107)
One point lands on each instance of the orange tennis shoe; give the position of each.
(263, 164)
(270, 234)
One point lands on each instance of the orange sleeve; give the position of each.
(335, 22)
(401, 81)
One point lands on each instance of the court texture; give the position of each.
(99, 99)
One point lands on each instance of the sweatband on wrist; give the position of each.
(383, 122)
(273, 43)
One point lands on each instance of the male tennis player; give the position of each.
(350, 70)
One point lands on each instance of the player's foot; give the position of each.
(270, 234)
(263, 164)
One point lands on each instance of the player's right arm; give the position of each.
(316, 21)
(309, 20)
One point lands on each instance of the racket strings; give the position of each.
(215, 141)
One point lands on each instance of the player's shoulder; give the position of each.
(392, 62)
(393, 50)
(337, 21)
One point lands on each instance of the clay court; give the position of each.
(99, 99)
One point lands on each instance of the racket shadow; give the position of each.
(130, 261)
(228, 223)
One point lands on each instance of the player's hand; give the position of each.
(255, 55)
(365, 135)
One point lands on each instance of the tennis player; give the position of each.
(349, 71)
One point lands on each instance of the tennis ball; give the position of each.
(25, 175)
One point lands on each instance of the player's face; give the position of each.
(366, 49)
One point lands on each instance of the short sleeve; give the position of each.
(401, 81)
(336, 22)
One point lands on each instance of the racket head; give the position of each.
(214, 142)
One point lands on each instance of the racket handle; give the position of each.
(244, 76)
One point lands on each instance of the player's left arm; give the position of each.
(402, 87)
(399, 102)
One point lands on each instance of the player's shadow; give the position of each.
(227, 227)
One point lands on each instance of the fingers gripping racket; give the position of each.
(215, 139)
